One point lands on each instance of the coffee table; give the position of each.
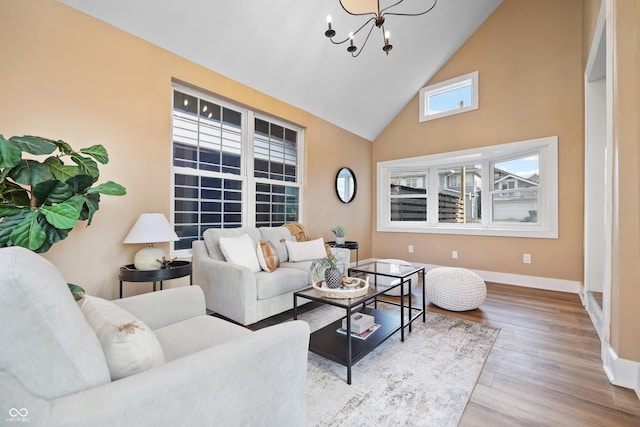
(346, 349)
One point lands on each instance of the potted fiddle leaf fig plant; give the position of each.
(41, 201)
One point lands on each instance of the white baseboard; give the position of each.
(551, 284)
(621, 372)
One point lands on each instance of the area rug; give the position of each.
(424, 381)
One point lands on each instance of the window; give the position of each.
(231, 168)
(501, 190)
(450, 97)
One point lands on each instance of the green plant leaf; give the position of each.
(60, 171)
(10, 154)
(30, 172)
(109, 188)
(13, 194)
(87, 166)
(76, 291)
(61, 216)
(28, 232)
(9, 210)
(80, 183)
(98, 152)
(54, 235)
(7, 226)
(91, 205)
(35, 144)
(64, 147)
(51, 192)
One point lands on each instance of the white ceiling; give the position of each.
(278, 47)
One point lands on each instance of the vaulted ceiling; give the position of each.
(278, 47)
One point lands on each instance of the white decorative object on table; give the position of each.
(455, 289)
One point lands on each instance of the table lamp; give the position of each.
(150, 228)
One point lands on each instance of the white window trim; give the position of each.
(247, 178)
(446, 86)
(547, 225)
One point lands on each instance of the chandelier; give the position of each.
(377, 18)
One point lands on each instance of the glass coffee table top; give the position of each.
(385, 268)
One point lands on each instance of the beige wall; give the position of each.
(625, 81)
(68, 76)
(529, 59)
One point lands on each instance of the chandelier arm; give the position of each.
(389, 7)
(410, 14)
(365, 42)
(355, 32)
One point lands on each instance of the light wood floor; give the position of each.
(544, 368)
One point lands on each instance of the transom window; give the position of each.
(503, 190)
(452, 96)
(231, 167)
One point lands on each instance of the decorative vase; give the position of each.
(340, 240)
(333, 277)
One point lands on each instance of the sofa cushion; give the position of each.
(240, 250)
(306, 251)
(278, 236)
(212, 236)
(195, 334)
(129, 345)
(267, 256)
(281, 281)
(50, 348)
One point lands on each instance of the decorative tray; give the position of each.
(356, 288)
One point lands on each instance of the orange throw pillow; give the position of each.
(267, 256)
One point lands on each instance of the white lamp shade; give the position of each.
(151, 228)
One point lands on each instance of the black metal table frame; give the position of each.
(363, 302)
(128, 273)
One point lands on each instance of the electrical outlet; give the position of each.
(454, 254)
(410, 249)
(526, 258)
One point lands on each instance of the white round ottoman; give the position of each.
(385, 282)
(455, 289)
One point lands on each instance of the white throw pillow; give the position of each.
(306, 251)
(240, 251)
(129, 345)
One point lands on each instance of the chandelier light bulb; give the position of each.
(378, 20)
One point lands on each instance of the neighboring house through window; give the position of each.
(232, 167)
(450, 192)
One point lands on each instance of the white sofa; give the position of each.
(53, 370)
(235, 291)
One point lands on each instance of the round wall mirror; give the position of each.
(346, 185)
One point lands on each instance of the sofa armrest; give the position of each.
(258, 379)
(343, 256)
(229, 289)
(162, 308)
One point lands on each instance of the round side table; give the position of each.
(349, 244)
(128, 273)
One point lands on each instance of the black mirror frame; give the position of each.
(355, 184)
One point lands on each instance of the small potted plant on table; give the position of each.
(338, 231)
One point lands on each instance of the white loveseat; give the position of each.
(53, 369)
(245, 296)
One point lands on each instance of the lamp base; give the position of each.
(145, 258)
